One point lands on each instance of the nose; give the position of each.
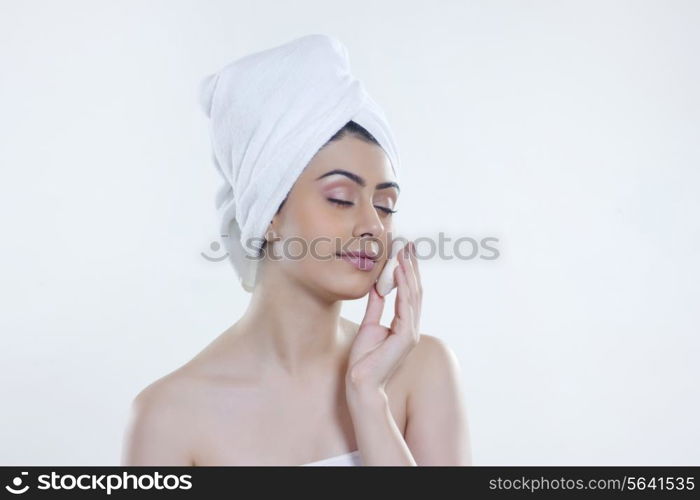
(369, 224)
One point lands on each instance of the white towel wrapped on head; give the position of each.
(270, 112)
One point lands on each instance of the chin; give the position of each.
(339, 281)
(349, 288)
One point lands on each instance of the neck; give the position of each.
(295, 332)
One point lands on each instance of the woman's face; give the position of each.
(327, 214)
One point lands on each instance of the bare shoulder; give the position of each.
(437, 431)
(160, 415)
(433, 349)
(168, 394)
(430, 357)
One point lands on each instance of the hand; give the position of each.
(377, 351)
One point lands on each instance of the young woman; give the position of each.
(292, 382)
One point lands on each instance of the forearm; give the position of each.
(378, 437)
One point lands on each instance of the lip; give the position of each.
(360, 260)
(361, 254)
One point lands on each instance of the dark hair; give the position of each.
(355, 130)
(350, 128)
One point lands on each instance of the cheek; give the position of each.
(318, 228)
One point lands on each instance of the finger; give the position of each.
(414, 259)
(375, 306)
(411, 274)
(418, 298)
(402, 303)
(406, 266)
(403, 317)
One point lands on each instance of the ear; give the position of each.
(271, 235)
(272, 232)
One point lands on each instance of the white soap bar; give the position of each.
(386, 282)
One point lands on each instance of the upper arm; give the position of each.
(154, 434)
(436, 429)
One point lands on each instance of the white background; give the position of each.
(568, 130)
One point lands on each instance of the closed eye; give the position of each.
(349, 203)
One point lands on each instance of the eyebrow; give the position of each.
(359, 180)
